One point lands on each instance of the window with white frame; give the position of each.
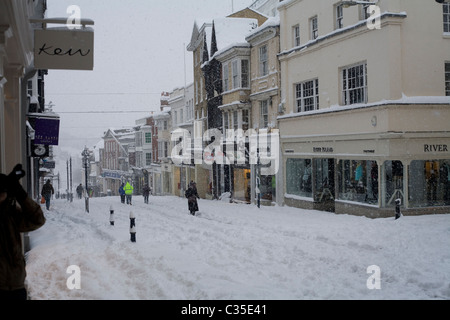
(447, 78)
(201, 90)
(244, 73)
(235, 120)
(245, 119)
(235, 74)
(446, 8)
(263, 61)
(138, 139)
(148, 137)
(314, 27)
(307, 95)
(339, 13)
(264, 114)
(296, 35)
(163, 149)
(364, 14)
(148, 159)
(354, 84)
(226, 79)
(226, 120)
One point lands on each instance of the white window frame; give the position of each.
(226, 120)
(305, 93)
(226, 77)
(235, 74)
(264, 113)
(363, 14)
(339, 16)
(146, 135)
(245, 76)
(446, 17)
(235, 115)
(353, 82)
(314, 27)
(263, 61)
(148, 159)
(447, 78)
(296, 35)
(245, 119)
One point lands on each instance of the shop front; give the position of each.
(365, 173)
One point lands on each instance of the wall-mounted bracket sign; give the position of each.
(64, 48)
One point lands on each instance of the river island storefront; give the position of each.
(360, 160)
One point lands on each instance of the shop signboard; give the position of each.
(64, 49)
(46, 131)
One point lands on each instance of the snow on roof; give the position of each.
(233, 30)
(271, 22)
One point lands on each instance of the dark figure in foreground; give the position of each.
(192, 196)
(18, 214)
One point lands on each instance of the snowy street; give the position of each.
(235, 252)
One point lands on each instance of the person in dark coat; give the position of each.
(47, 192)
(146, 193)
(122, 193)
(18, 213)
(80, 191)
(192, 196)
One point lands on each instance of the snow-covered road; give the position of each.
(235, 252)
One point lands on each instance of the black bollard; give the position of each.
(398, 213)
(132, 227)
(133, 234)
(111, 216)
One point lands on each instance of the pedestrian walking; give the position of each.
(122, 193)
(128, 192)
(80, 191)
(192, 196)
(47, 192)
(18, 214)
(146, 193)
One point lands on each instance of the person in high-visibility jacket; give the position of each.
(128, 192)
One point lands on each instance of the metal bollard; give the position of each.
(132, 227)
(398, 213)
(111, 215)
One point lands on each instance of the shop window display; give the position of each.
(429, 183)
(358, 181)
(299, 177)
(324, 179)
(393, 182)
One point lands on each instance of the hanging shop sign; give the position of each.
(47, 131)
(64, 48)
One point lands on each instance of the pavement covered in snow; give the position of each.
(234, 252)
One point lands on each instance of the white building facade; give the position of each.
(366, 94)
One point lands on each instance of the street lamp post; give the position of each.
(85, 155)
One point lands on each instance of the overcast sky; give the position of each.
(140, 51)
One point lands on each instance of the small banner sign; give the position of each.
(47, 132)
(64, 49)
